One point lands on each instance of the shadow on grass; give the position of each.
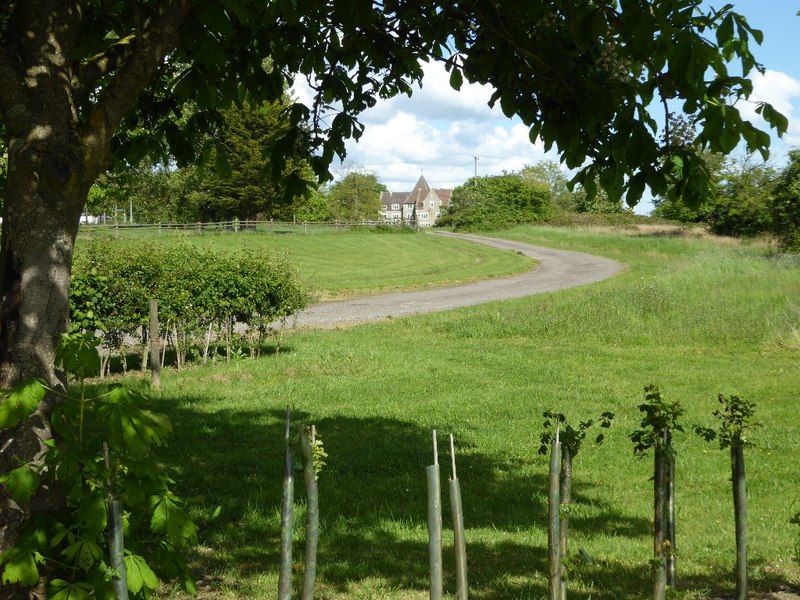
(373, 504)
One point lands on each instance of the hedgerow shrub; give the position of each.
(202, 294)
(485, 203)
(786, 204)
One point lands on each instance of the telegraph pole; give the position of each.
(476, 165)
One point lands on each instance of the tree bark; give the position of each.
(59, 115)
(40, 222)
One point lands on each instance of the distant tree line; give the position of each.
(751, 198)
(534, 194)
(237, 181)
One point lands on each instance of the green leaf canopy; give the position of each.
(588, 77)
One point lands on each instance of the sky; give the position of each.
(439, 132)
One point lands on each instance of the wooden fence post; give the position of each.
(155, 359)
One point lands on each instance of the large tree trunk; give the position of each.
(45, 196)
(59, 112)
(47, 185)
(38, 238)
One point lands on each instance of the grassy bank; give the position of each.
(691, 315)
(341, 265)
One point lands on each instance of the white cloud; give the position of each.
(783, 92)
(438, 132)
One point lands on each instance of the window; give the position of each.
(432, 204)
(395, 207)
(423, 216)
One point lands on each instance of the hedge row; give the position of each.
(201, 294)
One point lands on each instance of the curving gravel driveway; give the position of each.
(557, 269)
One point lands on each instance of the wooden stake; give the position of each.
(670, 515)
(435, 524)
(459, 539)
(155, 361)
(285, 577)
(553, 519)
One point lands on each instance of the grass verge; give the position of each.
(690, 315)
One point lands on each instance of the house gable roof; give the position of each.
(421, 189)
(416, 196)
(444, 195)
(389, 198)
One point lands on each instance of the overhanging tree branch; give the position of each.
(147, 54)
(100, 65)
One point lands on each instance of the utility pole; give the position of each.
(476, 165)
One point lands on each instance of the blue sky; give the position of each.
(438, 132)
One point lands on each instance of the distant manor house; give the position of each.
(422, 205)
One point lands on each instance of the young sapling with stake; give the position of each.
(571, 441)
(311, 460)
(735, 418)
(660, 419)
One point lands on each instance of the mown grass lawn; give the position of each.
(341, 265)
(693, 316)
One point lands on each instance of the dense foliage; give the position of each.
(87, 83)
(739, 204)
(103, 453)
(242, 186)
(246, 188)
(201, 294)
(786, 204)
(565, 200)
(497, 202)
(356, 197)
(751, 197)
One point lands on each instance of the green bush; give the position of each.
(741, 216)
(103, 451)
(200, 293)
(610, 219)
(785, 204)
(485, 203)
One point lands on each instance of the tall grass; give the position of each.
(695, 317)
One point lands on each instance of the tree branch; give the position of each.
(133, 74)
(100, 65)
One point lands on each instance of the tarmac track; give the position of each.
(556, 270)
